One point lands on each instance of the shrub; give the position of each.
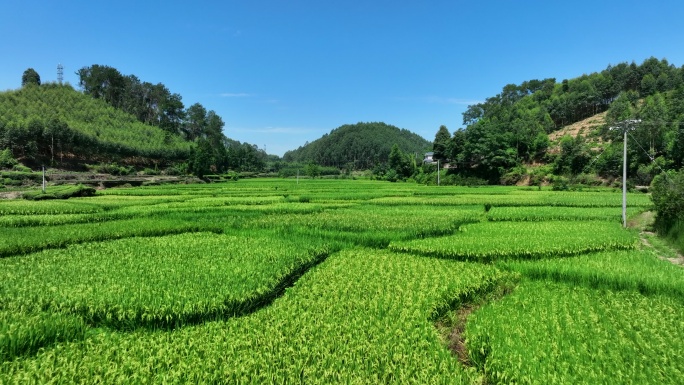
(587, 180)
(560, 183)
(668, 197)
(150, 171)
(112, 168)
(6, 159)
(20, 168)
(60, 192)
(514, 176)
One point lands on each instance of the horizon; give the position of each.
(281, 75)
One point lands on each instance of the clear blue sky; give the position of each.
(281, 73)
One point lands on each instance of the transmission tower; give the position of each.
(60, 73)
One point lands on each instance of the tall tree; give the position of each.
(196, 122)
(399, 162)
(172, 113)
(620, 109)
(202, 158)
(30, 76)
(440, 146)
(214, 127)
(103, 82)
(457, 146)
(648, 85)
(651, 131)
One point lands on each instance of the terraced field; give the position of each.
(327, 281)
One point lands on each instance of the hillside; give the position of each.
(588, 128)
(54, 123)
(359, 146)
(564, 125)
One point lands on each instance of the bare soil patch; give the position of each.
(452, 325)
(583, 128)
(10, 195)
(455, 333)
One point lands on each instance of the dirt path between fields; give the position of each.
(678, 260)
(643, 223)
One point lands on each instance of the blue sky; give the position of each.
(281, 73)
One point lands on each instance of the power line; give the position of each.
(642, 123)
(595, 159)
(648, 154)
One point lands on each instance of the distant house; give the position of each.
(429, 157)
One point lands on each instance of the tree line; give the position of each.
(117, 118)
(155, 105)
(360, 146)
(511, 129)
(152, 104)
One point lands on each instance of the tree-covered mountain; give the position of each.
(510, 129)
(359, 146)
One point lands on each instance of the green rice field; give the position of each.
(275, 281)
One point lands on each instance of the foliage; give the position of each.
(152, 104)
(549, 213)
(441, 145)
(511, 127)
(60, 192)
(205, 276)
(6, 159)
(312, 170)
(111, 168)
(399, 164)
(18, 178)
(30, 77)
(555, 333)
(633, 270)
(514, 176)
(573, 157)
(23, 333)
(360, 146)
(117, 118)
(484, 242)
(363, 316)
(53, 122)
(182, 256)
(667, 192)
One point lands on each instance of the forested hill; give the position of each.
(116, 118)
(359, 146)
(52, 123)
(511, 129)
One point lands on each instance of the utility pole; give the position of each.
(437, 172)
(625, 126)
